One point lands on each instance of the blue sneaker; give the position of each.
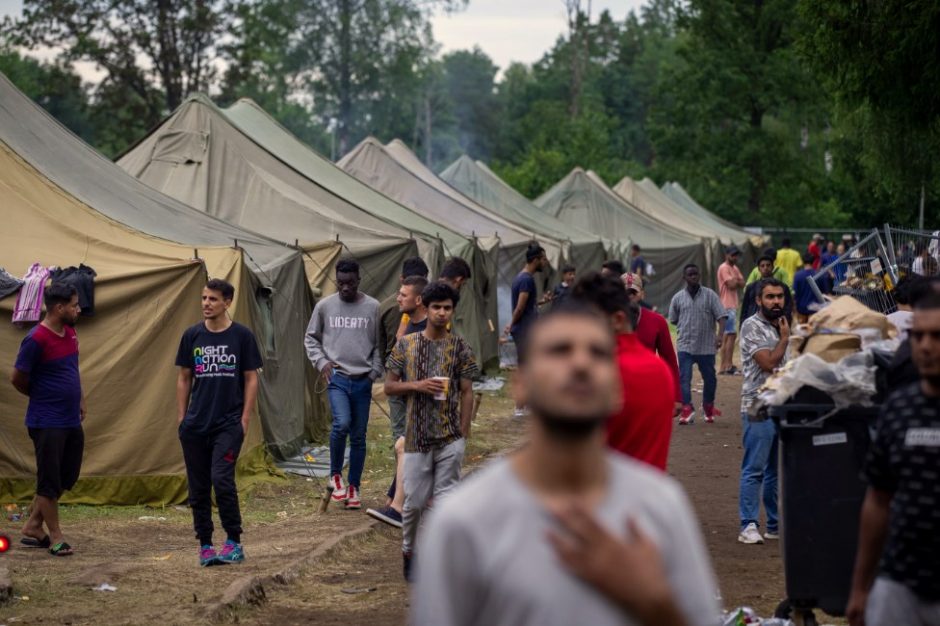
(231, 552)
(386, 514)
(208, 556)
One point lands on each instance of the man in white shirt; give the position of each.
(564, 531)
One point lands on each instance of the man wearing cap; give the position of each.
(730, 280)
(652, 330)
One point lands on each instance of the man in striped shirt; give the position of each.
(434, 370)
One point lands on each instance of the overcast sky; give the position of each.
(507, 30)
(514, 30)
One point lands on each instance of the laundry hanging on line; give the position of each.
(9, 284)
(83, 279)
(28, 306)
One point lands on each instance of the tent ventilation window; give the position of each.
(266, 303)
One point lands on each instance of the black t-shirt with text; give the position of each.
(904, 460)
(218, 362)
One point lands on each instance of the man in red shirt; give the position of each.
(652, 330)
(642, 426)
(815, 248)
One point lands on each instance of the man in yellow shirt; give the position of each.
(789, 260)
(779, 273)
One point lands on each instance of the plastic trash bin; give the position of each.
(821, 491)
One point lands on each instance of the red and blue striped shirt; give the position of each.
(55, 389)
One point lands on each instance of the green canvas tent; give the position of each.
(675, 192)
(661, 209)
(152, 255)
(474, 179)
(198, 156)
(582, 199)
(251, 120)
(395, 171)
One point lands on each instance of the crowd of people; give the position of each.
(580, 525)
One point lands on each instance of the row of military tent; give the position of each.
(233, 173)
(65, 204)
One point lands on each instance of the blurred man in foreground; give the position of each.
(563, 531)
(897, 567)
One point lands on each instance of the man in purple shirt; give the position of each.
(46, 370)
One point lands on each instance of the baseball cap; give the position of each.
(632, 281)
(733, 251)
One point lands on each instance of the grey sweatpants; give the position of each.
(892, 604)
(428, 474)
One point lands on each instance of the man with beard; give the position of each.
(524, 305)
(46, 370)
(564, 531)
(216, 389)
(897, 568)
(411, 308)
(433, 369)
(764, 339)
(695, 311)
(749, 302)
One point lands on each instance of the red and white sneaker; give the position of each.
(687, 416)
(352, 498)
(339, 489)
(711, 413)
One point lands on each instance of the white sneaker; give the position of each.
(518, 413)
(750, 534)
(771, 535)
(339, 489)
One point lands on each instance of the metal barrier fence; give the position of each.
(866, 271)
(913, 251)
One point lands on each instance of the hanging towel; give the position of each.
(83, 279)
(29, 303)
(8, 283)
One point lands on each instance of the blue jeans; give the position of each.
(350, 399)
(706, 366)
(759, 473)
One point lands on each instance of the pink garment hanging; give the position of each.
(28, 306)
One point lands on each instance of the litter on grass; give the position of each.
(302, 465)
(105, 587)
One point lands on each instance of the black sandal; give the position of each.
(61, 549)
(32, 542)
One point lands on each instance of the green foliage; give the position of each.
(879, 61)
(770, 112)
(55, 87)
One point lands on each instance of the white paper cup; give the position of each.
(443, 394)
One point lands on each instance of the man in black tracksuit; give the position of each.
(216, 391)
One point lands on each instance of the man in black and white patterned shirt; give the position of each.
(900, 521)
(696, 311)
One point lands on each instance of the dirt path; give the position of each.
(364, 584)
(152, 562)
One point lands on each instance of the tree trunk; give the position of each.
(757, 176)
(575, 45)
(429, 148)
(168, 63)
(923, 194)
(345, 80)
